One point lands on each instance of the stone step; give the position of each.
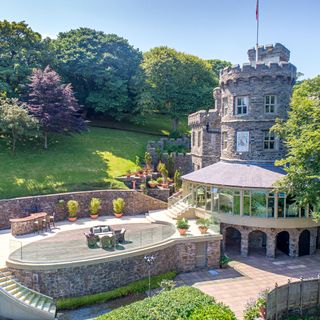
(46, 306)
(35, 301)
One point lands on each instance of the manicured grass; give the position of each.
(155, 123)
(80, 162)
(139, 286)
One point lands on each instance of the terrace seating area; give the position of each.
(104, 235)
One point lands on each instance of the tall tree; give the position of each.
(301, 133)
(21, 50)
(217, 65)
(53, 104)
(104, 70)
(176, 83)
(15, 120)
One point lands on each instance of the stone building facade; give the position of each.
(233, 152)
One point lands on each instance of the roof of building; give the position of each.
(237, 174)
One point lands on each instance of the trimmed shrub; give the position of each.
(139, 286)
(213, 312)
(176, 304)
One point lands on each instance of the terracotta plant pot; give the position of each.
(182, 231)
(165, 185)
(152, 185)
(73, 219)
(118, 215)
(94, 216)
(203, 230)
(262, 312)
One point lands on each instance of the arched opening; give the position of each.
(283, 240)
(232, 240)
(304, 243)
(257, 243)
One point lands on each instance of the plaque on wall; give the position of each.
(242, 141)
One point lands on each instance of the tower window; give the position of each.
(193, 138)
(241, 106)
(224, 106)
(224, 142)
(269, 141)
(199, 138)
(270, 103)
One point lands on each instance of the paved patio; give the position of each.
(243, 282)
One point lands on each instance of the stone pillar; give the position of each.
(244, 244)
(213, 253)
(294, 243)
(313, 240)
(271, 245)
(186, 256)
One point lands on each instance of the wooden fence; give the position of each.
(294, 298)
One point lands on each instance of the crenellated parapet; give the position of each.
(259, 70)
(202, 117)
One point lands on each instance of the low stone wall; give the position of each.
(136, 203)
(91, 277)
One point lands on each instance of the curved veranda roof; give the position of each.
(237, 174)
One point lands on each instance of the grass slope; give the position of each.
(80, 162)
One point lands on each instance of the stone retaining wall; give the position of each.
(90, 278)
(136, 203)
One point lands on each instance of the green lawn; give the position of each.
(80, 162)
(155, 123)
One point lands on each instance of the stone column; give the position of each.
(271, 245)
(313, 240)
(186, 256)
(213, 253)
(244, 244)
(294, 243)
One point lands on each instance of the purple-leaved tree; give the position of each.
(53, 104)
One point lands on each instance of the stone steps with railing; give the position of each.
(21, 303)
(180, 208)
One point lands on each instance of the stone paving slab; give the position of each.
(247, 277)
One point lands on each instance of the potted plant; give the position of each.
(73, 208)
(182, 226)
(152, 183)
(148, 161)
(224, 260)
(118, 205)
(164, 172)
(95, 205)
(159, 180)
(203, 225)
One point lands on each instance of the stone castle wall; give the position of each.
(136, 203)
(95, 277)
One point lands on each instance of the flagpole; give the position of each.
(257, 18)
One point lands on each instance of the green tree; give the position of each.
(21, 50)
(217, 65)
(104, 70)
(15, 120)
(176, 83)
(301, 133)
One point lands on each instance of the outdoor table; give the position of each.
(25, 225)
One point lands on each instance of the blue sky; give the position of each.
(222, 29)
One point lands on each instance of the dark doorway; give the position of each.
(304, 243)
(232, 240)
(257, 243)
(283, 239)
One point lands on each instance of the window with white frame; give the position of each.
(224, 140)
(224, 106)
(241, 106)
(270, 103)
(269, 140)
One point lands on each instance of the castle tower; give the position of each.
(247, 103)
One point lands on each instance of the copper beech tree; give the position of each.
(53, 104)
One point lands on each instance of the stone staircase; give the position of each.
(21, 303)
(178, 210)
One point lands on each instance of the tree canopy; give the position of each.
(15, 120)
(21, 50)
(104, 70)
(301, 133)
(217, 65)
(53, 104)
(176, 83)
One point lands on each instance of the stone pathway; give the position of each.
(243, 282)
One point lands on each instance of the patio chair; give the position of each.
(108, 242)
(119, 234)
(46, 223)
(37, 225)
(92, 240)
(52, 219)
